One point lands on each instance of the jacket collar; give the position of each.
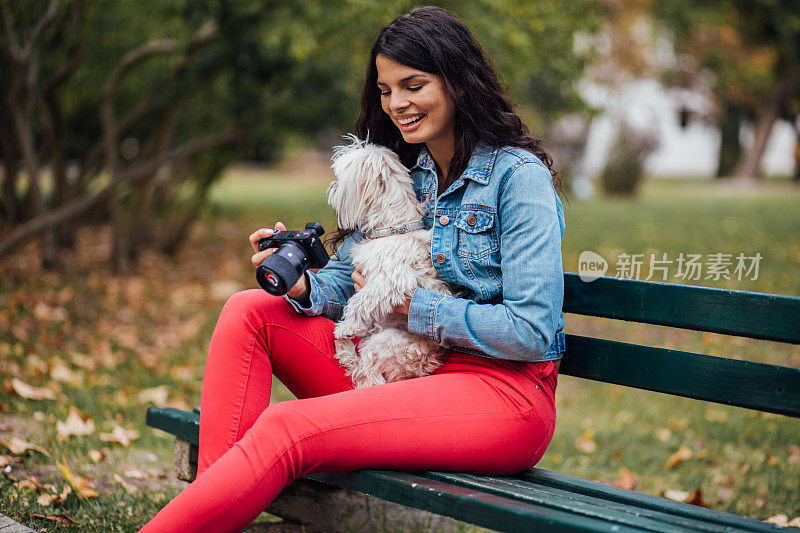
(479, 168)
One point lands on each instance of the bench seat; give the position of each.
(537, 499)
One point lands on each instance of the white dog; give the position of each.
(373, 193)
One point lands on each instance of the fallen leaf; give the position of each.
(127, 486)
(49, 498)
(677, 424)
(97, 456)
(29, 483)
(77, 423)
(794, 454)
(627, 480)
(683, 454)
(157, 395)
(61, 519)
(585, 443)
(744, 469)
(30, 392)
(19, 446)
(134, 474)
(772, 460)
(44, 312)
(677, 495)
(61, 372)
(120, 435)
(778, 519)
(84, 487)
(663, 434)
(696, 498)
(6, 460)
(716, 415)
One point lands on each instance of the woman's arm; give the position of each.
(330, 287)
(523, 326)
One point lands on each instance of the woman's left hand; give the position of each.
(359, 281)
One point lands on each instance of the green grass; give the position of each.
(153, 329)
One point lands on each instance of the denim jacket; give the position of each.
(497, 234)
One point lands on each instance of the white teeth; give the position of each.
(407, 121)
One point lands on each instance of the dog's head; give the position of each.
(371, 186)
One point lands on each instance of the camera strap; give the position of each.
(394, 230)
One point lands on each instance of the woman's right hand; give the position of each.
(300, 290)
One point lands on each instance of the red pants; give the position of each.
(473, 414)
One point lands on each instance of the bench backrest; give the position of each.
(760, 386)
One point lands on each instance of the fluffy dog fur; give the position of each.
(374, 190)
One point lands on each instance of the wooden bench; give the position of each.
(542, 500)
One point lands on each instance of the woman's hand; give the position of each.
(359, 280)
(300, 289)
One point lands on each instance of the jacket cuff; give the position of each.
(314, 296)
(422, 313)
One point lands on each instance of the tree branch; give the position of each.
(133, 175)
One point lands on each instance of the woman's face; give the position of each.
(417, 102)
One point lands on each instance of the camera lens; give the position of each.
(280, 271)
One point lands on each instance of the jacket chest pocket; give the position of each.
(477, 235)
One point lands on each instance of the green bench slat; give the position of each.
(487, 510)
(579, 504)
(536, 486)
(642, 501)
(183, 424)
(769, 388)
(746, 314)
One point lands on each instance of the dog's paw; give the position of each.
(344, 330)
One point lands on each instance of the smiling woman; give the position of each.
(487, 192)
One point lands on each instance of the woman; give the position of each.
(432, 96)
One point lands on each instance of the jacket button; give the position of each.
(472, 220)
(443, 220)
(440, 258)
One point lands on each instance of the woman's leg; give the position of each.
(472, 415)
(257, 335)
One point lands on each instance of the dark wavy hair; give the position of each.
(432, 40)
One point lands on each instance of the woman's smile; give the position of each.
(418, 104)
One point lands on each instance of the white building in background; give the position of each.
(682, 152)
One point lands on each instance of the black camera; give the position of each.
(297, 251)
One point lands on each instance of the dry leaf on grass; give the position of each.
(59, 371)
(683, 454)
(19, 446)
(48, 498)
(135, 474)
(77, 423)
(783, 520)
(6, 460)
(120, 435)
(794, 454)
(663, 434)
(585, 443)
(127, 486)
(97, 456)
(30, 392)
(694, 498)
(83, 486)
(60, 519)
(677, 424)
(627, 479)
(158, 395)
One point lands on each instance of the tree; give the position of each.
(752, 50)
(126, 112)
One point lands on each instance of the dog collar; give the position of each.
(394, 230)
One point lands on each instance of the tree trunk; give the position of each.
(10, 205)
(750, 162)
(730, 147)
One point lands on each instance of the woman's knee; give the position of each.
(253, 306)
